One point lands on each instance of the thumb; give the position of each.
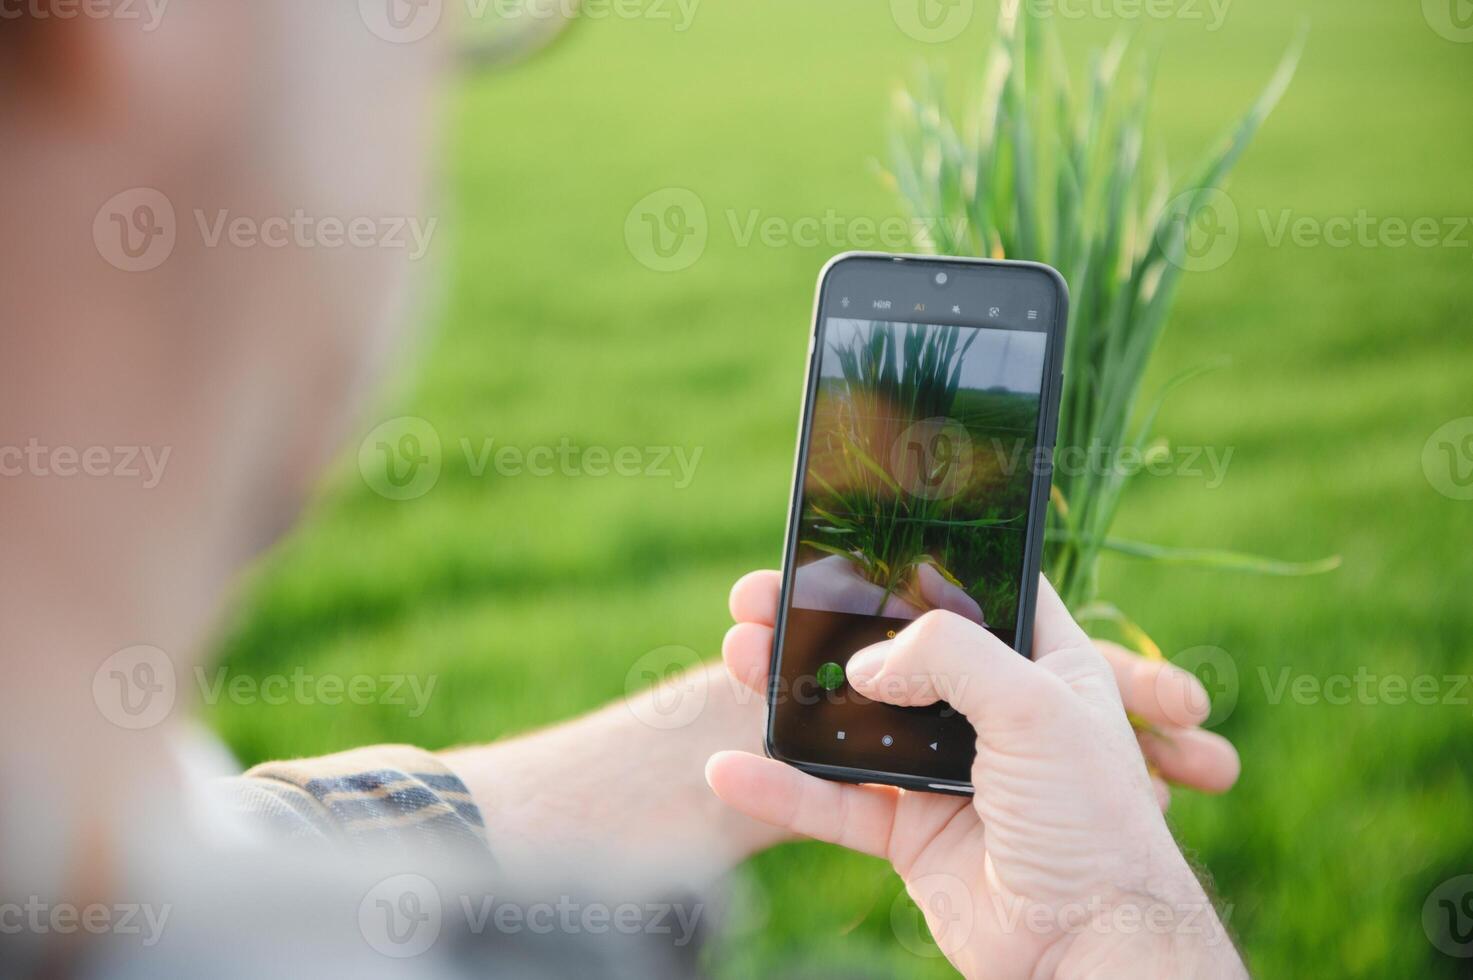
(944, 657)
(941, 594)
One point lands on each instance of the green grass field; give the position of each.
(530, 597)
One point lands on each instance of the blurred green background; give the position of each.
(530, 597)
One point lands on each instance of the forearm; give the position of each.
(623, 788)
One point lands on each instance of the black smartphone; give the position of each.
(922, 481)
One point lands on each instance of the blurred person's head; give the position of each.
(164, 410)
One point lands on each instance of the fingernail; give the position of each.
(865, 664)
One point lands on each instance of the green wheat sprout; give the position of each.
(1037, 171)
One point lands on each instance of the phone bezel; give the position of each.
(1037, 503)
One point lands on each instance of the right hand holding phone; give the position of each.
(1061, 865)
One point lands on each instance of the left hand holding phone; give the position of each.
(1061, 865)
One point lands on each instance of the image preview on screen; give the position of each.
(917, 479)
(919, 470)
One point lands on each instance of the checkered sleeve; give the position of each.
(380, 798)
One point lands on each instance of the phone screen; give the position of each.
(917, 484)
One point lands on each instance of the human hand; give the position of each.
(1061, 865)
(1169, 700)
(832, 585)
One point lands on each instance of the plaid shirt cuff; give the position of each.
(384, 797)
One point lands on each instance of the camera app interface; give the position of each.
(915, 496)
